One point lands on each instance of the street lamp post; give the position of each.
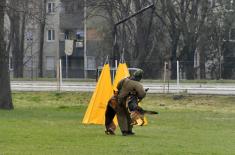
(31, 51)
(85, 39)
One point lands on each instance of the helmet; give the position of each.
(137, 75)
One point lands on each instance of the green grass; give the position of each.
(50, 124)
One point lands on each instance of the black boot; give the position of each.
(124, 133)
(130, 133)
(109, 132)
(127, 133)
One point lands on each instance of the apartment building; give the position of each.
(64, 20)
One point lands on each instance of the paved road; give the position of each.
(218, 88)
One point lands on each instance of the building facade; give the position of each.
(64, 19)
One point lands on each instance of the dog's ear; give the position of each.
(115, 92)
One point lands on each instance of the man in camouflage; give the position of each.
(127, 87)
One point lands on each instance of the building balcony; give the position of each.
(78, 49)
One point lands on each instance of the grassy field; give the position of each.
(50, 124)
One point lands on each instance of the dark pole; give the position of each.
(115, 44)
(133, 15)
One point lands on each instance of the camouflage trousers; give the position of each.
(118, 107)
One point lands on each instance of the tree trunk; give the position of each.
(42, 31)
(143, 28)
(40, 64)
(22, 39)
(140, 44)
(174, 42)
(202, 65)
(16, 37)
(174, 57)
(16, 52)
(189, 65)
(5, 90)
(189, 61)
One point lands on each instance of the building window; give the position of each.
(90, 63)
(66, 35)
(80, 35)
(232, 34)
(51, 35)
(50, 7)
(29, 36)
(50, 63)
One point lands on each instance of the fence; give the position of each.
(153, 70)
(67, 76)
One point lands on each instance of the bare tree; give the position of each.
(42, 24)
(17, 14)
(5, 90)
(187, 24)
(178, 30)
(134, 37)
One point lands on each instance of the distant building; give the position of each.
(229, 43)
(64, 20)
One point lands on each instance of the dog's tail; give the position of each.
(150, 112)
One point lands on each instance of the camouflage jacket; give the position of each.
(126, 87)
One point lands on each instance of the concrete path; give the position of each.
(216, 88)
